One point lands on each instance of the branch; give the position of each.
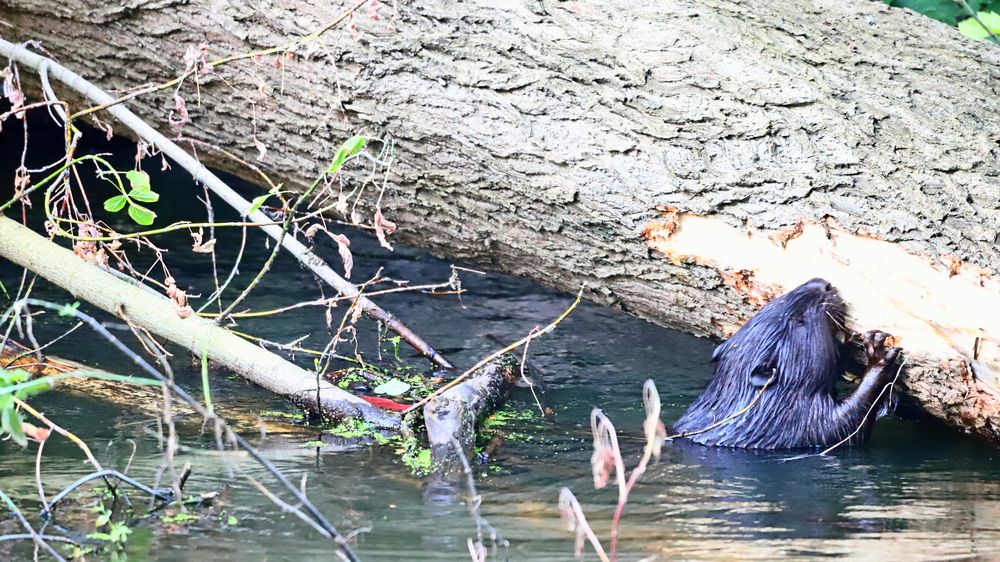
(201, 174)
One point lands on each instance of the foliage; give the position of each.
(139, 192)
(516, 425)
(297, 416)
(391, 387)
(15, 384)
(975, 29)
(351, 428)
(418, 460)
(403, 382)
(953, 13)
(180, 518)
(118, 531)
(350, 147)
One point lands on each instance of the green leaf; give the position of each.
(350, 147)
(146, 196)
(33, 388)
(11, 422)
(115, 204)
(13, 376)
(354, 144)
(256, 203)
(138, 179)
(120, 532)
(69, 309)
(392, 387)
(141, 214)
(971, 28)
(991, 19)
(941, 10)
(99, 536)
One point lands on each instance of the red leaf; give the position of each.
(35, 432)
(385, 403)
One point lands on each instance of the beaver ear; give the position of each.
(719, 349)
(761, 374)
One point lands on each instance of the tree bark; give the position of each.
(629, 146)
(452, 418)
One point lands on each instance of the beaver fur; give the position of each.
(789, 355)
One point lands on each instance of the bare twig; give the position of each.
(27, 526)
(576, 521)
(165, 495)
(201, 174)
(532, 335)
(328, 529)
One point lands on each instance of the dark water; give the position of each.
(916, 493)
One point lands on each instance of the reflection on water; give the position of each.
(916, 493)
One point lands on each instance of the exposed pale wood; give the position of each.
(541, 138)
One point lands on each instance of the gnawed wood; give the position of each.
(539, 138)
(943, 312)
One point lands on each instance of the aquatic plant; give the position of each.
(607, 460)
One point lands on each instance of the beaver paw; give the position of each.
(876, 351)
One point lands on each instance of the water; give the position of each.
(917, 492)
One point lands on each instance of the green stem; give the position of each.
(204, 380)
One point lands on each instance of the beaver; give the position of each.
(775, 380)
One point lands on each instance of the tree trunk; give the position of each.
(684, 160)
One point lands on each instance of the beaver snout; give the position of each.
(819, 284)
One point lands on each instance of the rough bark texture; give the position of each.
(542, 137)
(452, 417)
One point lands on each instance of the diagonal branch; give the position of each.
(201, 174)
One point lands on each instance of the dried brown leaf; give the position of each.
(180, 110)
(343, 246)
(199, 246)
(12, 90)
(383, 228)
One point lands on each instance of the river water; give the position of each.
(917, 492)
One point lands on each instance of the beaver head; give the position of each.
(774, 382)
(796, 332)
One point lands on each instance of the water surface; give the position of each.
(916, 492)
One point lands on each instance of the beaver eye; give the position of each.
(763, 374)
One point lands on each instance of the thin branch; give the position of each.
(329, 530)
(201, 174)
(532, 335)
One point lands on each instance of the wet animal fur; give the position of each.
(790, 347)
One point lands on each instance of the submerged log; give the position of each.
(452, 417)
(686, 161)
(139, 399)
(159, 316)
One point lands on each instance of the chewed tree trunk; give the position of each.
(685, 160)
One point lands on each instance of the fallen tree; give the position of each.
(158, 315)
(684, 161)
